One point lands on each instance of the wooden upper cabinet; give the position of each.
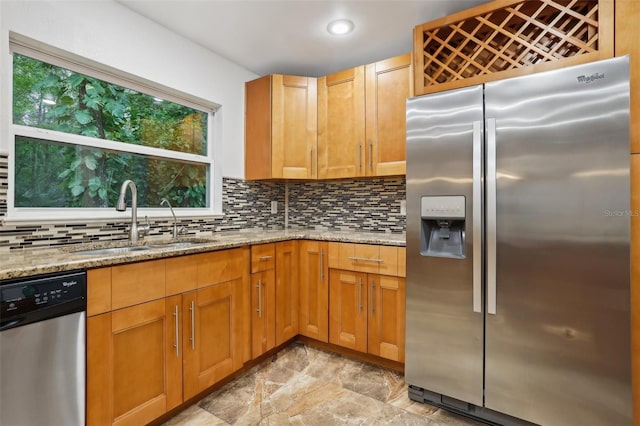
(341, 115)
(294, 129)
(257, 128)
(388, 85)
(628, 43)
(281, 127)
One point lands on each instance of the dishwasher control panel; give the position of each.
(33, 294)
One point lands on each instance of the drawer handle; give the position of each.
(365, 259)
(263, 258)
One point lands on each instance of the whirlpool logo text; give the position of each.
(587, 79)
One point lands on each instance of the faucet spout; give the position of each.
(121, 206)
(175, 221)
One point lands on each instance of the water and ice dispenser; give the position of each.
(442, 226)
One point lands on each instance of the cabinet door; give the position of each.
(133, 373)
(386, 316)
(263, 304)
(387, 90)
(314, 290)
(341, 124)
(226, 266)
(257, 128)
(212, 334)
(294, 127)
(348, 309)
(287, 291)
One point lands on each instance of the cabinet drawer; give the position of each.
(402, 261)
(137, 283)
(364, 258)
(263, 257)
(98, 291)
(222, 266)
(181, 274)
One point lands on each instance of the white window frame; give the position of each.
(39, 51)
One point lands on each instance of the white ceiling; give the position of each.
(290, 37)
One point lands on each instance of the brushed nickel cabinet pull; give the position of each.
(259, 310)
(365, 259)
(192, 308)
(372, 297)
(263, 258)
(177, 323)
(370, 156)
(360, 295)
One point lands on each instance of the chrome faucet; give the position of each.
(135, 231)
(176, 231)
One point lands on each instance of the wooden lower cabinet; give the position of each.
(348, 309)
(274, 295)
(287, 295)
(263, 312)
(212, 335)
(386, 316)
(134, 375)
(367, 313)
(146, 359)
(314, 290)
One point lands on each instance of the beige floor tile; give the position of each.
(305, 386)
(195, 416)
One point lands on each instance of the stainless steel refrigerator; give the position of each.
(518, 234)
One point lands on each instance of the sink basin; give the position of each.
(148, 245)
(177, 244)
(111, 250)
(181, 243)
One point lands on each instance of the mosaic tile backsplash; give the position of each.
(365, 204)
(355, 204)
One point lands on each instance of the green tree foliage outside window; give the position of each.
(54, 174)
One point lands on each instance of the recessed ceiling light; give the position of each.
(340, 27)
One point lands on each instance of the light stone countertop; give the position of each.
(28, 262)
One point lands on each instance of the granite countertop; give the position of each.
(28, 262)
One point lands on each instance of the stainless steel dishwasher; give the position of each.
(42, 350)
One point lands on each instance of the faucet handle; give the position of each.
(183, 230)
(144, 229)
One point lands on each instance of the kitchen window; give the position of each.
(78, 132)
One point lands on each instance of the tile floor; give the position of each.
(302, 385)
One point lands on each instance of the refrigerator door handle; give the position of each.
(491, 216)
(477, 216)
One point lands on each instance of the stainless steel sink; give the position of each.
(111, 250)
(148, 245)
(175, 244)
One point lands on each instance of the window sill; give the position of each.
(91, 217)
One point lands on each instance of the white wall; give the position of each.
(111, 34)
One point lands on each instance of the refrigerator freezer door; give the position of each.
(444, 334)
(558, 347)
